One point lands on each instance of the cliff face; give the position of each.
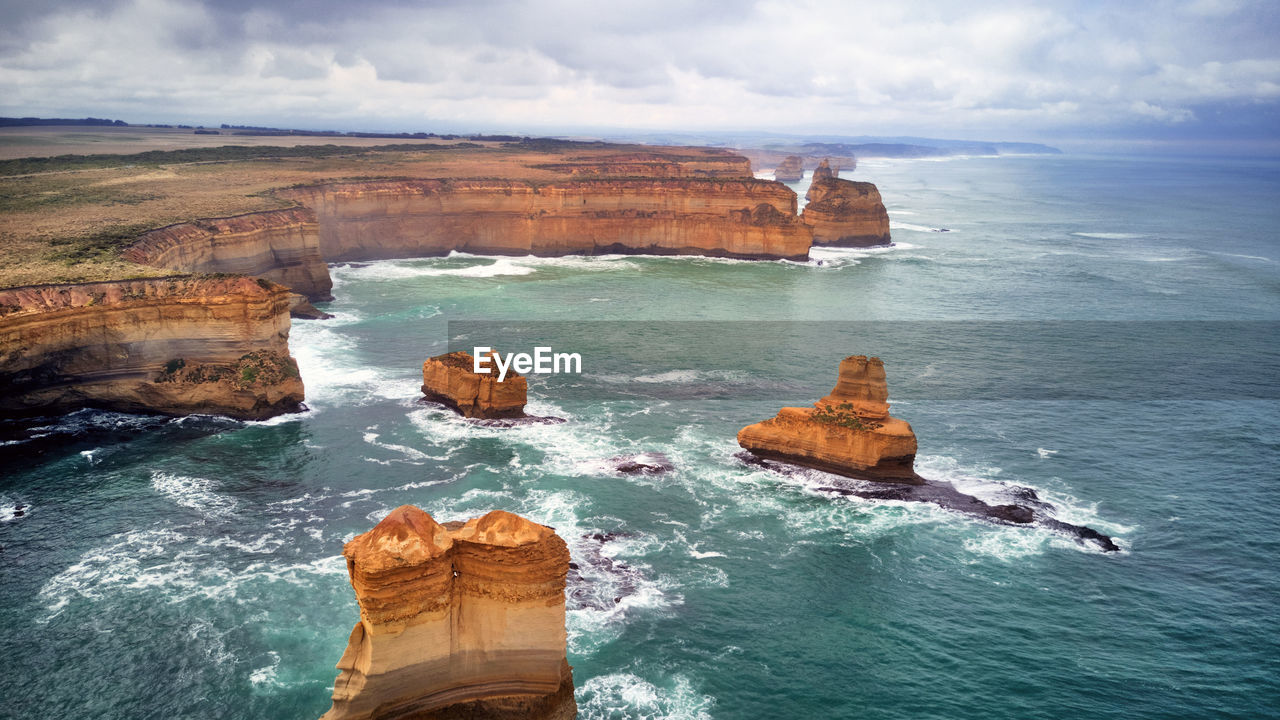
(789, 170)
(843, 212)
(450, 379)
(727, 218)
(171, 345)
(848, 432)
(456, 621)
(280, 245)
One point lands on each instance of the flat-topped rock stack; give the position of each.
(460, 620)
(451, 380)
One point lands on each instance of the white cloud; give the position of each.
(1015, 68)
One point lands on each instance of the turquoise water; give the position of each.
(1099, 329)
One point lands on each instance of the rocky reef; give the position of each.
(451, 380)
(179, 345)
(791, 169)
(460, 620)
(843, 212)
(280, 245)
(851, 433)
(739, 218)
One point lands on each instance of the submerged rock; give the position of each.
(460, 620)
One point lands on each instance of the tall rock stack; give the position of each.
(456, 621)
(843, 212)
(848, 432)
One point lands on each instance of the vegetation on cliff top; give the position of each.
(843, 415)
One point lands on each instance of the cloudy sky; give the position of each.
(1166, 70)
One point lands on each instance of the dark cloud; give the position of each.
(1168, 68)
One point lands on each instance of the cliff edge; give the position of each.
(461, 620)
(845, 213)
(178, 345)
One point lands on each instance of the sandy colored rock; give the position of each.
(176, 345)
(280, 245)
(451, 379)
(848, 432)
(739, 218)
(791, 169)
(456, 621)
(843, 212)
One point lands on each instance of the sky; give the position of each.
(1167, 72)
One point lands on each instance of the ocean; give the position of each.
(1100, 329)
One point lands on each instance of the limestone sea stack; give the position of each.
(456, 621)
(789, 170)
(848, 432)
(851, 433)
(451, 380)
(845, 213)
(178, 345)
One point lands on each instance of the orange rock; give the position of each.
(451, 379)
(843, 212)
(280, 245)
(178, 345)
(414, 218)
(456, 620)
(849, 432)
(790, 170)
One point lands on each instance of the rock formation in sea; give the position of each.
(460, 620)
(179, 345)
(451, 380)
(789, 170)
(851, 433)
(280, 245)
(843, 212)
(738, 218)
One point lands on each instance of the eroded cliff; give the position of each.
(451, 380)
(741, 218)
(791, 169)
(851, 433)
(279, 245)
(848, 432)
(178, 345)
(456, 621)
(843, 212)
(847, 214)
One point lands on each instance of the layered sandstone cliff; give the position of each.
(456, 621)
(848, 432)
(451, 379)
(843, 212)
(280, 245)
(179, 345)
(790, 169)
(741, 218)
